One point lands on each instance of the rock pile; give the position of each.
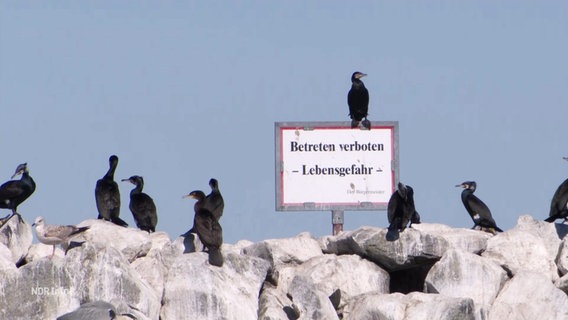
(431, 272)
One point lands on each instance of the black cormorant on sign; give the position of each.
(358, 101)
(14, 192)
(559, 203)
(142, 206)
(207, 228)
(479, 212)
(107, 195)
(401, 210)
(214, 201)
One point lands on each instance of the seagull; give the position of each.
(54, 234)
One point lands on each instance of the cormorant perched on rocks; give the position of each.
(107, 195)
(478, 210)
(214, 200)
(55, 234)
(14, 192)
(401, 210)
(559, 203)
(207, 228)
(142, 206)
(358, 101)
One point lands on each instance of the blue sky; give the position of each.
(183, 91)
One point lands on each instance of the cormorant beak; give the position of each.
(460, 185)
(361, 75)
(565, 158)
(16, 174)
(187, 196)
(123, 180)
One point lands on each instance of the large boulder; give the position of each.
(413, 306)
(102, 273)
(196, 290)
(153, 268)
(562, 257)
(131, 242)
(310, 302)
(295, 250)
(274, 304)
(549, 233)
(40, 290)
(562, 283)
(17, 236)
(39, 251)
(413, 248)
(350, 274)
(465, 275)
(311, 284)
(468, 240)
(6, 263)
(530, 295)
(517, 250)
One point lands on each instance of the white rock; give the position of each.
(282, 251)
(131, 242)
(461, 274)
(102, 273)
(16, 236)
(6, 264)
(158, 240)
(153, 267)
(152, 272)
(414, 306)
(412, 249)
(530, 295)
(547, 232)
(468, 240)
(562, 283)
(349, 273)
(196, 290)
(40, 290)
(274, 304)
(518, 250)
(562, 258)
(236, 248)
(189, 243)
(310, 303)
(39, 251)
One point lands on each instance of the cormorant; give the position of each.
(559, 203)
(14, 192)
(401, 211)
(107, 195)
(142, 206)
(478, 210)
(199, 196)
(214, 200)
(54, 234)
(358, 101)
(207, 228)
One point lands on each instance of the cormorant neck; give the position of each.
(110, 172)
(137, 189)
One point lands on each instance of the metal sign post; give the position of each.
(323, 166)
(337, 221)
